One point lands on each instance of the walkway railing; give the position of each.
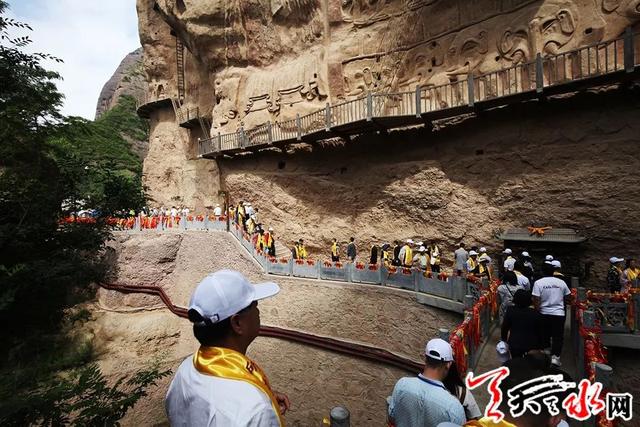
(595, 64)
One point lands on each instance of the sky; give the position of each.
(90, 36)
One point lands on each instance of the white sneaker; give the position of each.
(555, 360)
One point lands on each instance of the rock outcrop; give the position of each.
(128, 79)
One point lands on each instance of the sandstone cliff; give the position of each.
(127, 79)
(244, 63)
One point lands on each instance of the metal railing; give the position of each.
(525, 79)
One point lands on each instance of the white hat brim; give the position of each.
(265, 290)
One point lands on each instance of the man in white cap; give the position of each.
(509, 260)
(528, 265)
(548, 259)
(483, 251)
(422, 259)
(472, 263)
(424, 400)
(217, 211)
(219, 385)
(614, 274)
(557, 272)
(406, 253)
(484, 269)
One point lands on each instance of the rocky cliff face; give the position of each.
(128, 79)
(247, 62)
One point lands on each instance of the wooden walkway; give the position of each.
(607, 62)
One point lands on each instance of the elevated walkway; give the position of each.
(614, 61)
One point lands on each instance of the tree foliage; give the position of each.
(48, 165)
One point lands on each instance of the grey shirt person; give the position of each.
(461, 256)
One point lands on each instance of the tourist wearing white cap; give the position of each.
(483, 251)
(434, 257)
(424, 400)
(406, 253)
(422, 259)
(219, 385)
(473, 266)
(557, 272)
(528, 265)
(460, 257)
(509, 260)
(614, 275)
(484, 269)
(217, 211)
(550, 295)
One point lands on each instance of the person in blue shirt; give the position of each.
(423, 400)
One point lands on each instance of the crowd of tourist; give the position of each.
(219, 385)
(532, 310)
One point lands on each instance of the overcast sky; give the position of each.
(91, 36)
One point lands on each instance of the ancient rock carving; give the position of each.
(225, 109)
(631, 8)
(552, 28)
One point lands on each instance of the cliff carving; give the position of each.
(247, 62)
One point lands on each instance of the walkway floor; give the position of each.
(489, 360)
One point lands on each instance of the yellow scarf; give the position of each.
(488, 422)
(226, 363)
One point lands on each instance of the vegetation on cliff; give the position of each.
(48, 163)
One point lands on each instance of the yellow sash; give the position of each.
(226, 363)
(487, 422)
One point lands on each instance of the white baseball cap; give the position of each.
(422, 249)
(615, 259)
(409, 241)
(556, 263)
(507, 251)
(224, 293)
(472, 252)
(439, 349)
(525, 254)
(270, 228)
(483, 249)
(484, 257)
(419, 243)
(549, 258)
(502, 348)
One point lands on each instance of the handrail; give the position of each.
(456, 94)
(362, 351)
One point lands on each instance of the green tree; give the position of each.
(48, 265)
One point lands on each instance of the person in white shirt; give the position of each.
(174, 212)
(550, 295)
(509, 260)
(519, 269)
(460, 257)
(219, 386)
(217, 211)
(185, 211)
